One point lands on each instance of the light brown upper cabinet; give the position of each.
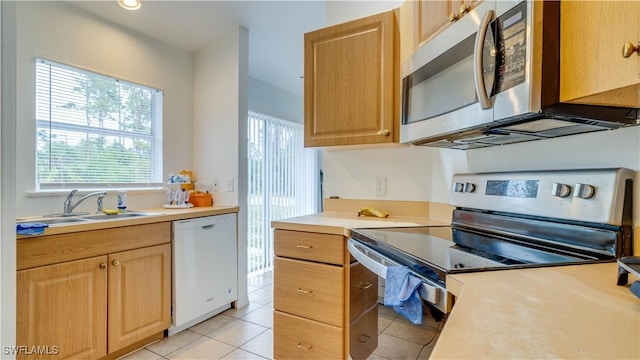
(434, 16)
(351, 83)
(593, 69)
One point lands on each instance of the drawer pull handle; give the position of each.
(304, 346)
(304, 291)
(365, 285)
(207, 227)
(364, 338)
(303, 246)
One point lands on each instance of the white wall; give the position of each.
(342, 11)
(268, 99)
(7, 181)
(220, 103)
(63, 33)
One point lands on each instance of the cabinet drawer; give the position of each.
(314, 291)
(299, 338)
(363, 334)
(324, 248)
(363, 290)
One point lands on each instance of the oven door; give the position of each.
(447, 83)
(377, 263)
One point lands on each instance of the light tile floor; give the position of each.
(247, 333)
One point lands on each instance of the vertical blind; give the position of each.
(282, 182)
(94, 131)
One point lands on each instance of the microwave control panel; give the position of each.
(511, 39)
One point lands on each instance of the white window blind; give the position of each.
(283, 182)
(94, 131)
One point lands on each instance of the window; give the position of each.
(94, 131)
(283, 182)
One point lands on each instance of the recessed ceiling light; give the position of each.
(130, 4)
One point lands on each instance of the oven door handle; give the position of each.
(428, 292)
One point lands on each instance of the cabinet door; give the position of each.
(139, 294)
(351, 83)
(592, 68)
(433, 16)
(62, 310)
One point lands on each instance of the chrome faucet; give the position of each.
(69, 205)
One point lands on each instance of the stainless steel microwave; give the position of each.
(492, 78)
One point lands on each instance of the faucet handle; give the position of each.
(100, 201)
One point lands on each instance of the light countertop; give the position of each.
(340, 222)
(161, 215)
(561, 312)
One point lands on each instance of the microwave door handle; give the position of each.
(478, 72)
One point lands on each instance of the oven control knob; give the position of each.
(584, 191)
(457, 187)
(469, 187)
(560, 190)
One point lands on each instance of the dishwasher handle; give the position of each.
(427, 291)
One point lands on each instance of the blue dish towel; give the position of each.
(34, 228)
(401, 292)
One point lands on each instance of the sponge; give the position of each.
(111, 211)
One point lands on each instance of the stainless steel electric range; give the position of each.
(509, 220)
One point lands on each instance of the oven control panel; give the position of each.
(594, 195)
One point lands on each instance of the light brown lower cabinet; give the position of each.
(325, 303)
(95, 307)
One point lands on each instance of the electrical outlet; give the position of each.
(230, 184)
(380, 186)
(215, 185)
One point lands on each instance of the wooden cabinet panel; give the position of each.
(64, 305)
(592, 68)
(351, 87)
(325, 248)
(433, 16)
(139, 294)
(53, 249)
(363, 339)
(315, 291)
(298, 338)
(363, 290)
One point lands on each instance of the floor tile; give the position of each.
(261, 296)
(240, 354)
(251, 289)
(213, 324)
(417, 334)
(395, 348)
(175, 342)
(142, 354)
(263, 316)
(238, 313)
(259, 281)
(261, 345)
(205, 348)
(425, 353)
(237, 333)
(376, 357)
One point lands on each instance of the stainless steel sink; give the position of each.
(125, 215)
(51, 221)
(60, 220)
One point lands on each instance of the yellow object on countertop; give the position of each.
(367, 211)
(111, 211)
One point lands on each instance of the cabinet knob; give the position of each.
(453, 17)
(386, 132)
(116, 262)
(103, 266)
(464, 8)
(304, 346)
(628, 49)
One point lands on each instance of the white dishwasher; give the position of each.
(205, 269)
